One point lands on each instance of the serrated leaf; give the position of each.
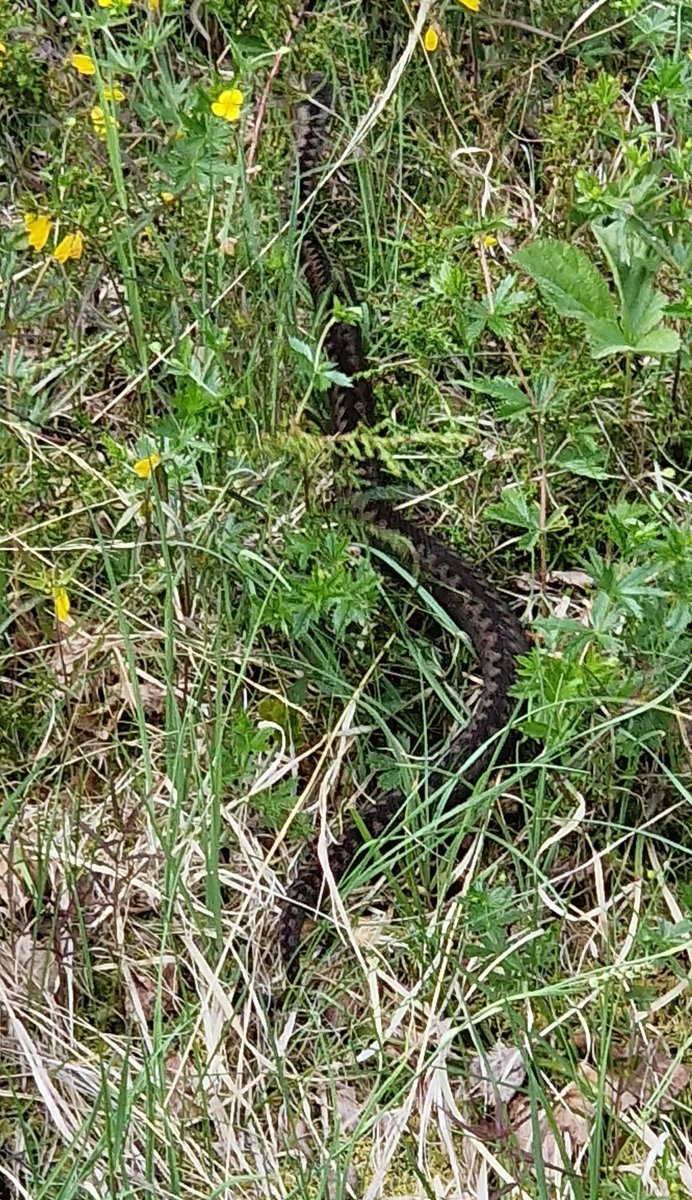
(338, 377)
(302, 348)
(568, 280)
(498, 388)
(578, 465)
(513, 509)
(515, 401)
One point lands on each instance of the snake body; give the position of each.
(460, 589)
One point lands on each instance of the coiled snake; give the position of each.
(464, 594)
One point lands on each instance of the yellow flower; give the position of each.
(474, 5)
(227, 105)
(83, 63)
(114, 93)
(145, 466)
(154, 5)
(104, 3)
(3, 48)
(71, 246)
(167, 197)
(489, 241)
(61, 602)
(37, 228)
(431, 40)
(100, 120)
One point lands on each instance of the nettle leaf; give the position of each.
(514, 400)
(568, 280)
(499, 325)
(505, 300)
(337, 377)
(584, 458)
(302, 349)
(513, 509)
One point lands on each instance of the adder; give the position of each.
(462, 590)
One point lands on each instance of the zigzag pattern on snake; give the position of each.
(461, 590)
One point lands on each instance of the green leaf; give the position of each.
(568, 280)
(634, 265)
(338, 377)
(514, 400)
(302, 349)
(606, 337)
(660, 341)
(573, 460)
(499, 388)
(513, 509)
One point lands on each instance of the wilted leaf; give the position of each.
(71, 651)
(637, 1087)
(563, 1134)
(33, 965)
(151, 693)
(183, 1081)
(348, 1107)
(496, 1075)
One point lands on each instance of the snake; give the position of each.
(462, 591)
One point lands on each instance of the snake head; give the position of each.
(319, 90)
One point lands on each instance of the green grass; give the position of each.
(233, 669)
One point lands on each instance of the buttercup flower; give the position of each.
(114, 93)
(474, 5)
(61, 602)
(70, 246)
(101, 120)
(83, 63)
(145, 466)
(37, 228)
(228, 104)
(431, 40)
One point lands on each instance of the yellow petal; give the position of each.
(154, 5)
(104, 3)
(71, 246)
(167, 197)
(114, 93)
(145, 466)
(83, 63)
(227, 104)
(431, 40)
(61, 601)
(474, 5)
(37, 228)
(489, 240)
(3, 48)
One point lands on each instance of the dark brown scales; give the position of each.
(464, 594)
